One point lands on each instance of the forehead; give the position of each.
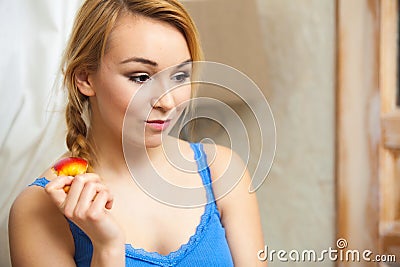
(135, 35)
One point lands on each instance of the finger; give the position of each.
(73, 196)
(77, 185)
(104, 199)
(90, 177)
(87, 197)
(58, 183)
(96, 178)
(55, 189)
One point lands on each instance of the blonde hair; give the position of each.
(87, 45)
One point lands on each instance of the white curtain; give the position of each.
(33, 34)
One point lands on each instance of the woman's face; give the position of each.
(138, 49)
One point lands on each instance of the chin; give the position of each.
(153, 141)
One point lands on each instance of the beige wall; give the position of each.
(288, 48)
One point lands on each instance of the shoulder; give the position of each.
(33, 197)
(34, 207)
(36, 224)
(224, 163)
(231, 179)
(227, 170)
(34, 201)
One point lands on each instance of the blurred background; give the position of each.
(328, 69)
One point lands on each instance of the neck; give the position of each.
(108, 152)
(112, 157)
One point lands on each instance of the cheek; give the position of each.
(116, 101)
(113, 99)
(182, 95)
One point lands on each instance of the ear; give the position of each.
(83, 83)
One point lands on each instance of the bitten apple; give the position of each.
(70, 166)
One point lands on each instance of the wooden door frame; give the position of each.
(366, 83)
(357, 114)
(389, 226)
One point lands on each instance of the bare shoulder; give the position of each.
(33, 200)
(226, 166)
(223, 159)
(231, 179)
(36, 225)
(34, 203)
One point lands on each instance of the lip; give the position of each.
(158, 125)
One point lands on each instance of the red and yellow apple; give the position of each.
(70, 166)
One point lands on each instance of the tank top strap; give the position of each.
(203, 169)
(42, 182)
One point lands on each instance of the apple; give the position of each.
(70, 166)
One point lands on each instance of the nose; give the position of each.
(165, 102)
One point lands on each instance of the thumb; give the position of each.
(55, 189)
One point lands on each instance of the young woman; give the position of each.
(106, 219)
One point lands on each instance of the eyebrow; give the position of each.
(152, 63)
(184, 63)
(140, 60)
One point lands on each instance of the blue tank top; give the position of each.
(206, 247)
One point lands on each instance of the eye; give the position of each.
(180, 77)
(139, 78)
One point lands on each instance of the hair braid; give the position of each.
(77, 130)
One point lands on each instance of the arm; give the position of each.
(39, 235)
(239, 209)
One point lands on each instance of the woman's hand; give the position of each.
(88, 205)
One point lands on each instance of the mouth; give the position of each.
(158, 125)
